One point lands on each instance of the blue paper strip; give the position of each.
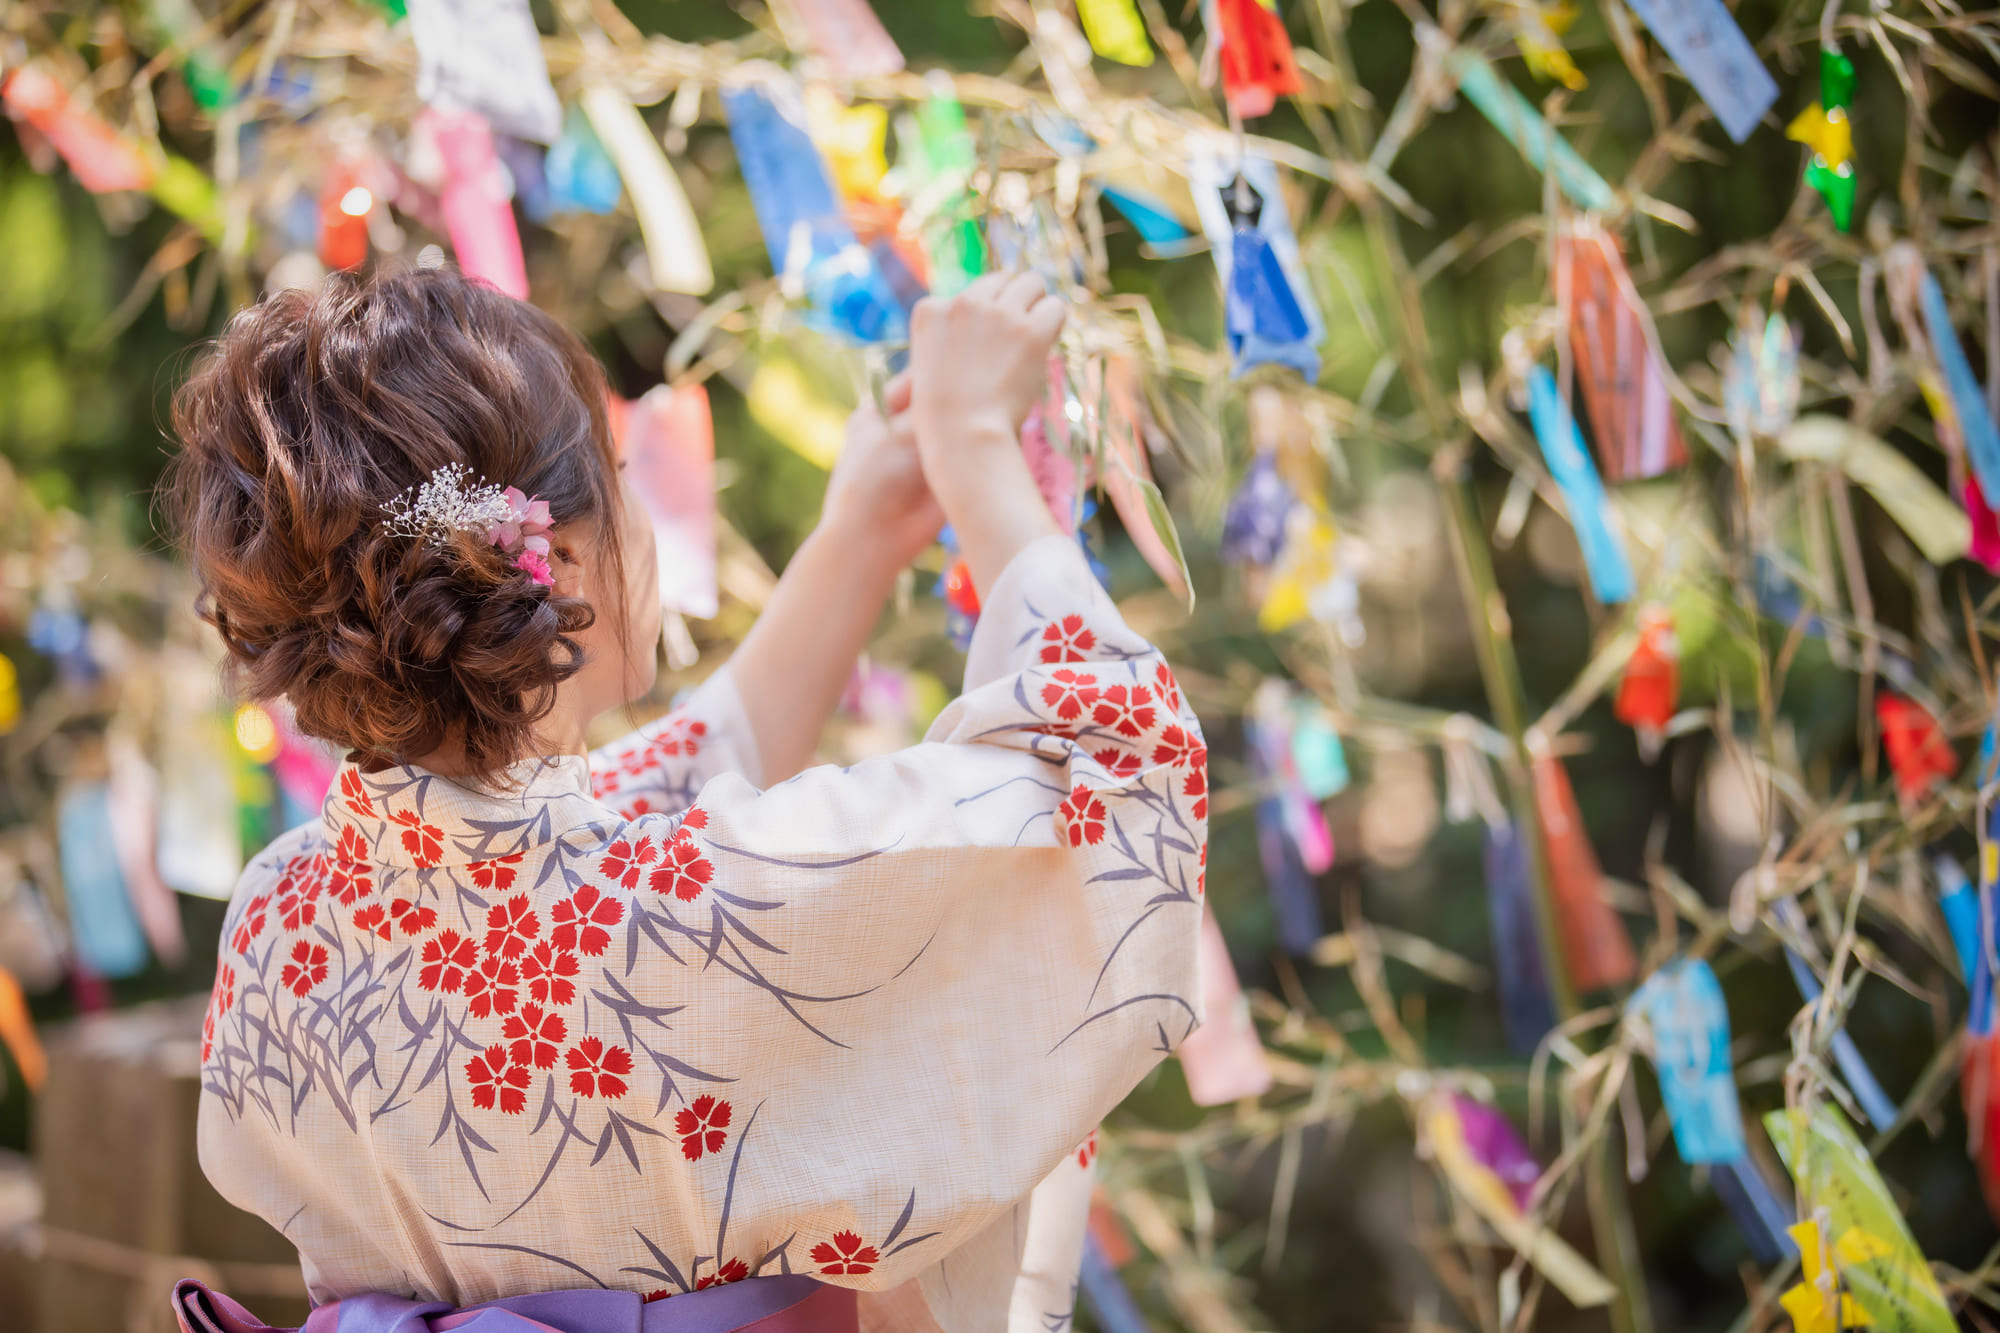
(1960, 906)
(106, 929)
(1874, 1102)
(1294, 898)
(1968, 401)
(1682, 1002)
(1149, 217)
(1754, 1208)
(1526, 1009)
(1270, 315)
(1113, 1305)
(1717, 58)
(1583, 492)
(804, 225)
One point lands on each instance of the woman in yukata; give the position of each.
(674, 1019)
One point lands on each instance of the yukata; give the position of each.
(631, 1022)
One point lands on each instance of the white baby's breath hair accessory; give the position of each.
(451, 501)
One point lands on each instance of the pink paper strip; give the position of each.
(1222, 1059)
(477, 212)
(668, 443)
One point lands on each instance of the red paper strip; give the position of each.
(1979, 1089)
(1919, 754)
(847, 35)
(1623, 384)
(1256, 53)
(98, 157)
(667, 440)
(1222, 1059)
(1112, 1237)
(1595, 945)
(477, 213)
(1651, 686)
(344, 204)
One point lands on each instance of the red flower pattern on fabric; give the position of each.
(1179, 748)
(1168, 689)
(1126, 709)
(536, 1036)
(447, 957)
(597, 1070)
(223, 993)
(490, 988)
(511, 926)
(410, 918)
(1201, 875)
(1197, 787)
(298, 907)
(306, 969)
(251, 924)
(207, 1036)
(493, 1077)
(497, 873)
(374, 918)
(626, 861)
(678, 735)
(1069, 693)
(703, 1126)
(350, 877)
(582, 921)
(548, 970)
(1067, 640)
(684, 872)
(845, 1255)
(354, 794)
(1119, 763)
(695, 818)
(652, 1296)
(1082, 817)
(733, 1271)
(1087, 1154)
(424, 842)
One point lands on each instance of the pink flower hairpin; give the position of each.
(452, 502)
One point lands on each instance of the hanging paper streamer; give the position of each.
(1864, 1232)
(1256, 55)
(1618, 370)
(1760, 380)
(1868, 1094)
(1126, 472)
(1115, 30)
(1816, 1304)
(1222, 1059)
(1317, 755)
(101, 160)
(1826, 129)
(1538, 31)
(132, 801)
(854, 140)
(1717, 58)
(805, 229)
(668, 447)
(848, 36)
(1253, 527)
(1960, 907)
(581, 176)
(1524, 127)
(486, 56)
(1526, 1009)
(1583, 494)
(10, 695)
(106, 931)
(1755, 1208)
(1293, 841)
(178, 22)
(677, 257)
(1270, 315)
(1919, 754)
(344, 205)
(1681, 1008)
(1651, 685)
(1101, 1286)
(473, 198)
(1474, 1178)
(17, 1031)
(936, 159)
(1598, 950)
(1969, 406)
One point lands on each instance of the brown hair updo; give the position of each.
(311, 413)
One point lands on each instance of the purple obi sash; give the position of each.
(790, 1304)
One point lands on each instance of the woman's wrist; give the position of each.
(852, 545)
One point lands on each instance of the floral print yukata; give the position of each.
(634, 1023)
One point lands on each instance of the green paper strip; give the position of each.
(1516, 117)
(1878, 1259)
(183, 188)
(1836, 80)
(1938, 527)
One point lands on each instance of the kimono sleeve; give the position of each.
(658, 768)
(954, 960)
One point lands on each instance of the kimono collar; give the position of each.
(412, 817)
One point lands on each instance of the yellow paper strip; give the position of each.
(673, 239)
(1938, 527)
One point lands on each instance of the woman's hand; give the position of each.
(877, 499)
(979, 363)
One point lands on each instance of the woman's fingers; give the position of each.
(896, 393)
(1046, 316)
(1022, 291)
